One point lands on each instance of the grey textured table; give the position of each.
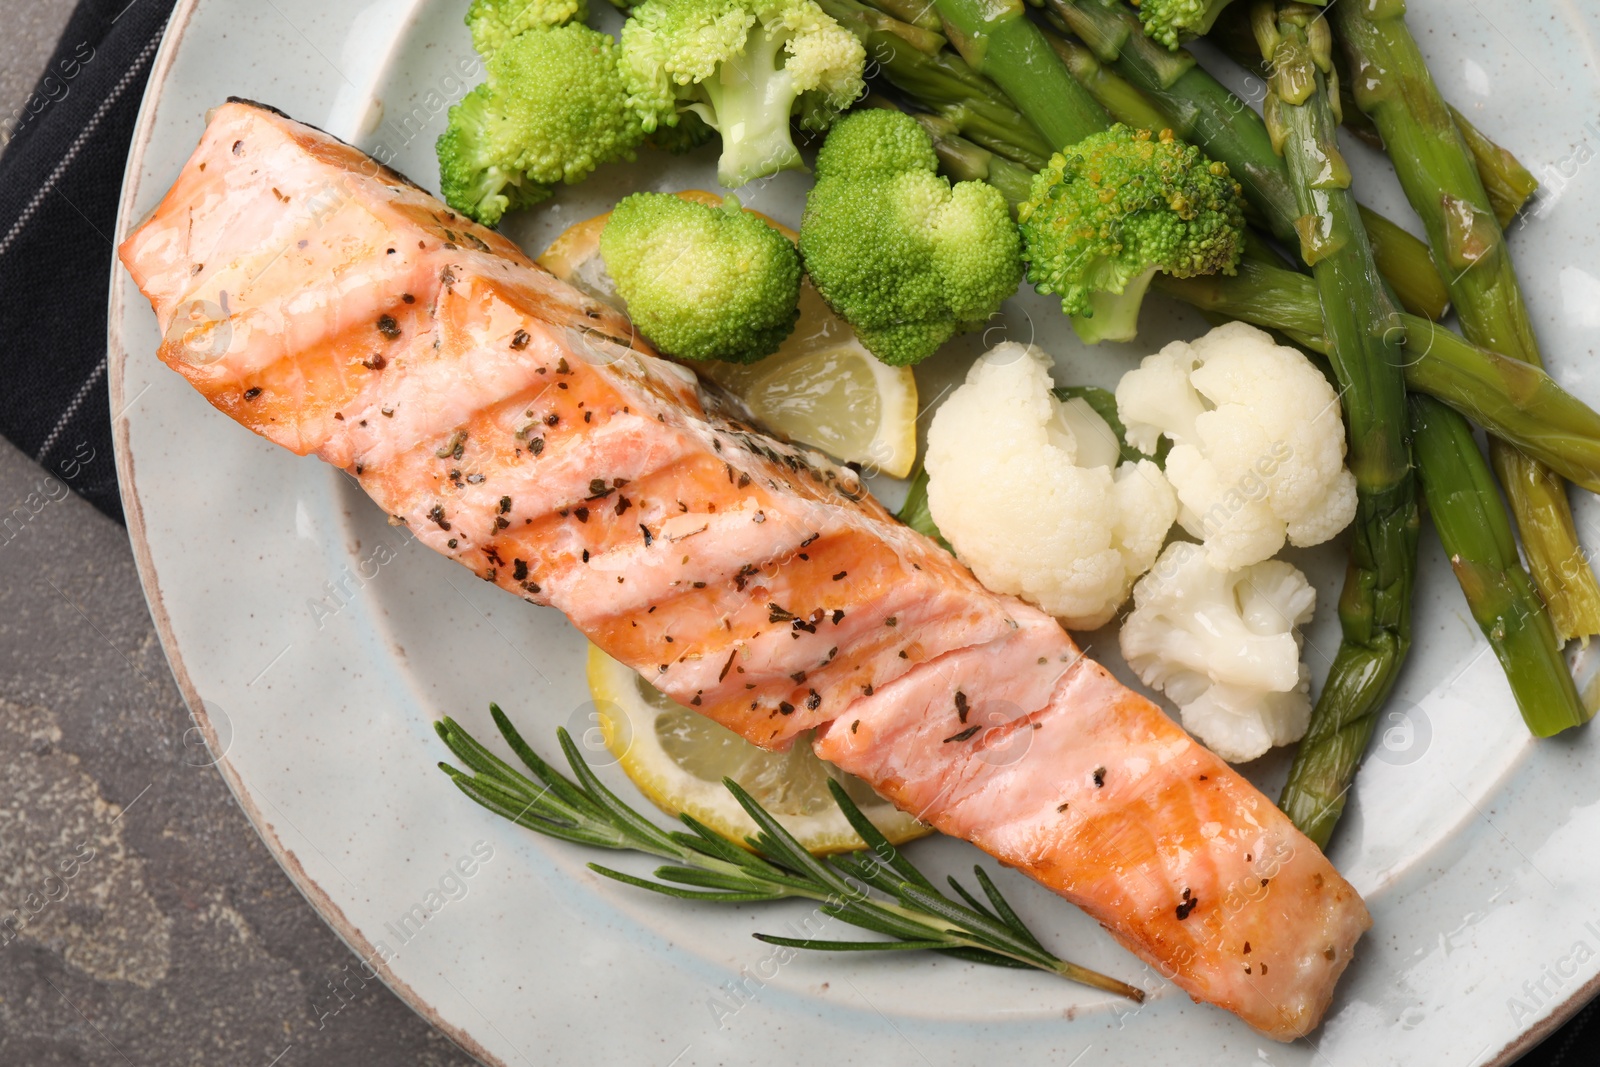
(142, 922)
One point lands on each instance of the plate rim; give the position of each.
(150, 582)
(309, 888)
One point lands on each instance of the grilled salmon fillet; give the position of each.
(1035, 754)
(525, 430)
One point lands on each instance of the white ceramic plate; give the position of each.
(316, 648)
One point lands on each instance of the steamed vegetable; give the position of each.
(1110, 212)
(1190, 101)
(1441, 182)
(1173, 21)
(745, 67)
(495, 22)
(1258, 444)
(703, 282)
(1001, 43)
(1367, 357)
(1029, 492)
(1515, 401)
(1225, 647)
(919, 65)
(1476, 533)
(1115, 205)
(1506, 180)
(898, 252)
(1153, 90)
(552, 109)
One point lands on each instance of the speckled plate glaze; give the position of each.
(315, 647)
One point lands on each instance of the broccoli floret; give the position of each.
(1174, 21)
(745, 66)
(553, 109)
(471, 178)
(1109, 212)
(897, 252)
(496, 22)
(703, 282)
(690, 133)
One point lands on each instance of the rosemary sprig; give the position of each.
(878, 890)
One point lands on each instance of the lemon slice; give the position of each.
(821, 388)
(678, 758)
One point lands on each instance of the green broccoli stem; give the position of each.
(1436, 170)
(1464, 503)
(1367, 358)
(752, 96)
(999, 41)
(1114, 316)
(942, 82)
(1506, 180)
(1200, 109)
(1515, 401)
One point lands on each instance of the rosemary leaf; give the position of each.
(704, 866)
(650, 837)
(847, 946)
(682, 894)
(548, 775)
(1002, 909)
(972, 902)
(879, 845)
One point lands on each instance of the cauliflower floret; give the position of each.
(1225, 647)
(1023, 488)
(1258, 442)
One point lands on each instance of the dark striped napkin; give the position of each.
(60, 176)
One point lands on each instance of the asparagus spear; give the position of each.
(999, 41)
(915, 62)
(1506, 180)
(1393, 86)
(1375, 607)
(1122, 101)
(1465, 506)
(1201, 110)
(963, 160)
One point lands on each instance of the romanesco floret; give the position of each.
(744, 66)
(1109, 212)
(1173, 21)
(495, 22)
(703, 282)
(1225, 647)
(1258, 443)
(904, 258)
(552, 110)
(1028, 491)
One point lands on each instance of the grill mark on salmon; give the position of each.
(521, 428)
(1088, 788)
